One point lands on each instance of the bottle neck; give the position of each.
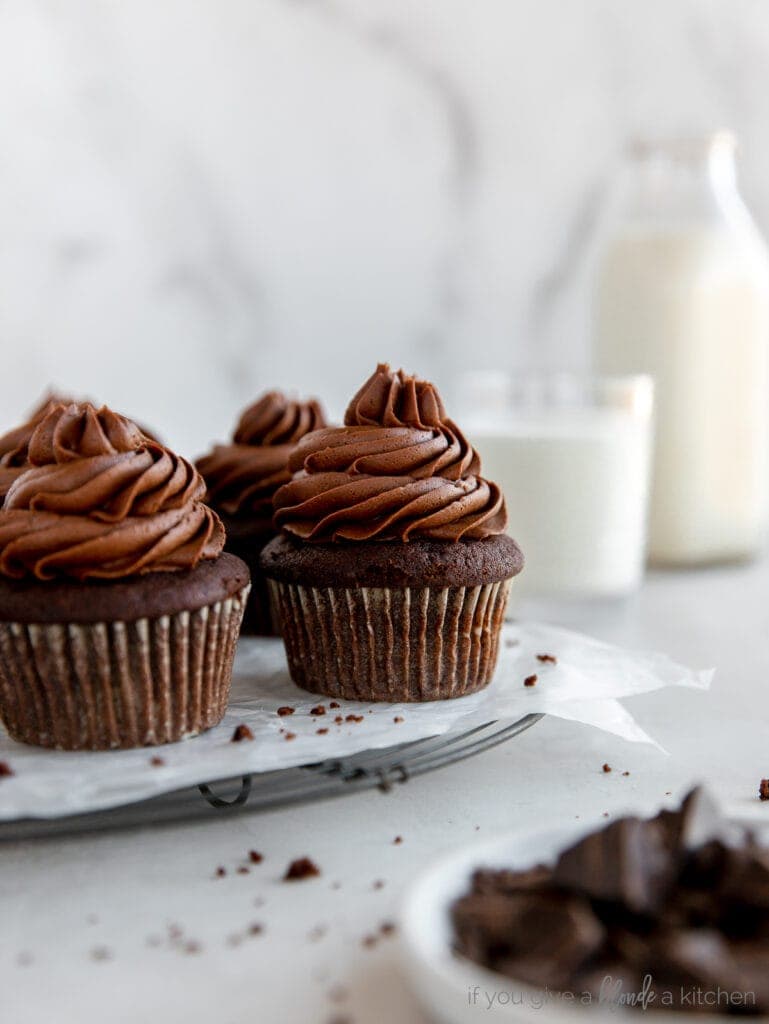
(684, 183)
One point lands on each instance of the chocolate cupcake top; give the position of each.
(14, 443)
(242, 477)
(399, 469)
(100, 500)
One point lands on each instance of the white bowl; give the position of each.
(452, 989)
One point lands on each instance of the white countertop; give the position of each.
(88, 925)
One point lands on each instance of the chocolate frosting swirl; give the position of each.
(399, 469)
(100, 500)
(242, 477)
(275, 419)
(14, 443)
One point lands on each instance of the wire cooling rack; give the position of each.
(382, 769)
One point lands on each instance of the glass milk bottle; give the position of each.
(682, 293)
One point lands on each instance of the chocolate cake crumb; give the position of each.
(387, 928)
(321, 732)
(530, 681)
(378, 884)
(334, 704)
(547, 659)
(220, 873)
(243, 870)
(606, 814)
(255, 928)
(286, 711)
(626, 773)
(606, 768)
(242, 732)
(301, 868)
(101, 953)
(398, 719)
(192, 948)
(339, 720)
(316, 934)
(398, 840)
(255, 857)
(368, 941)
(353, 718)
(5, 770)
(157, 762)
(318, 710)
(290, 736)
(763, 790)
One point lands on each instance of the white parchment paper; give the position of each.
(585, 685)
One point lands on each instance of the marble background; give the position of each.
(203, 198)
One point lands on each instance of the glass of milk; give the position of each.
(572, 455)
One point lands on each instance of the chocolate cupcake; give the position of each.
(118, 612)
(393, 570)
(242, 479)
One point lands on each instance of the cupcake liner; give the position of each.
(103, 685)
(391, 644)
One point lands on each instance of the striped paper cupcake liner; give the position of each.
(391, 644)
(106, 685)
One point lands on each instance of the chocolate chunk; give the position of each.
(629, 862)
(301, 868)
(537, 937)
(503, 881)
(745, 877)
